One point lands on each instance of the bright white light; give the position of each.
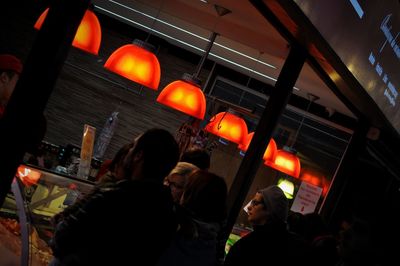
(187, 44)
(191, 33)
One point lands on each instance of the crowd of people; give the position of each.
(155, 206)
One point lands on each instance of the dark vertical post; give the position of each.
(273, 110)
(23, 117)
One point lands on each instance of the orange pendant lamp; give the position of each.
(271, 150)
(136, 62)
(28, 176)
(286, 161)
(269, 153)
(228, 126)
(315, 178)
(245, 145)
(185, 95)
(88, 35)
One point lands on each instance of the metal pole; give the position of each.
(204, 57)
(273, 110)
(21, 124)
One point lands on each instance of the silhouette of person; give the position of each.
(10, 69)
(270, 242)
(202, 209)
(198, 157)
(131, 221)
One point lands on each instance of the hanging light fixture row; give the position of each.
(137, 62)
(281, 160)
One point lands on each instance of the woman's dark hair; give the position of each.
(205, 196)
(198, 157)
(160, 153)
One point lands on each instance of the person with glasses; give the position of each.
(177, 179)
(200, 215)
(270, 243)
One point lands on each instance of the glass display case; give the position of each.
(26, 216)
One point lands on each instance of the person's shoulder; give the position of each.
(139, 185)
(141, 188)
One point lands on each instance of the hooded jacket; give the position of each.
(270, 243)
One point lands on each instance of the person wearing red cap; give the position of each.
(10, 69)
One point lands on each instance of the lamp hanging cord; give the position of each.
(312, 98)
(220, 121)
(221, 11)
(154, 21)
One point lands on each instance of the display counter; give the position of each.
(26, 215)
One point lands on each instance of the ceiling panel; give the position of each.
(245, 38)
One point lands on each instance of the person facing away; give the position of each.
(111, 170)
(10, 69)
(270, 243)
(129, 222)
(202, 209)
(322, 242)
(198, 157)
(177, 179)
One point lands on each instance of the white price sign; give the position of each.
(306, 198)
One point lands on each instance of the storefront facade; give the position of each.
(347, 153)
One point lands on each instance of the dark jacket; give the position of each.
(195, 244)
(269, 244)
(127, 223)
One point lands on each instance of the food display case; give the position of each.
(26, 216)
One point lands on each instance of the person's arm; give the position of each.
(76, 226)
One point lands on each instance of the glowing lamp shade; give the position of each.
(269, 153)
(287, 187)
(88, 35)
(228, 126)
(316, 179)
(245, 145)
(28, 176)
(137, 63)
(184, 96)
(310, 178)
(286, 162)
